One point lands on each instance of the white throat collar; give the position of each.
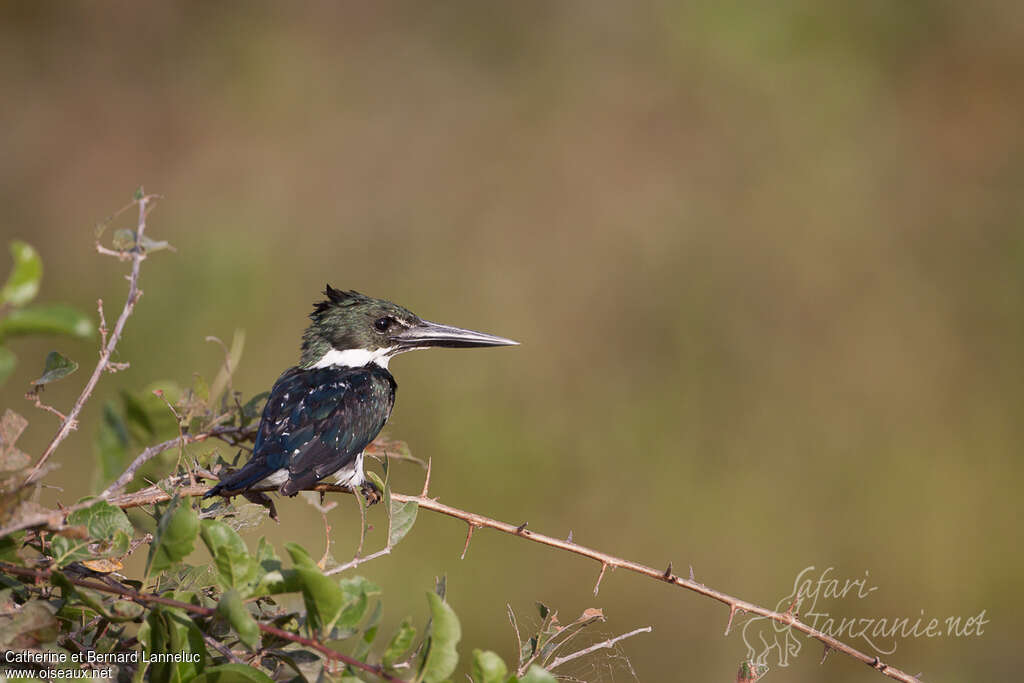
(354, 358)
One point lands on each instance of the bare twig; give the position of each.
(155, 495)
(138, 255)
(356, 561)
(149, 598)
(223, 649)
(469, 536)
(558, 661)
(145, 456)
(33, 396)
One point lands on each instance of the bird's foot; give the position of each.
(370, 492)
(262, 499)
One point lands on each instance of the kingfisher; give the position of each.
(323, 412)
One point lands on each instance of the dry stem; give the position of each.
(558, 661)
(138, 255)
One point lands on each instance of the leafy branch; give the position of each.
(137, 254)
(789, 618)
(228, 604)
(56, 565)
(128, 593)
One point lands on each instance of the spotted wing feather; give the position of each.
(315, 423)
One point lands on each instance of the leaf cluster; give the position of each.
(226, 612)
(19, 317)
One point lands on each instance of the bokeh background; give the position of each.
(766, 265)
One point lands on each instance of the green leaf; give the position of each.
(322, 596)
(150, 244)
(103, 520)
(233, 609)
(300, 557)
(7, 362)
(109, 533)
(56, 367)
(750, 672)
(23, 282)
(9, 546)
(123, 239)
(48, 319)
(235, 566)
(400, 643)
(29, 626)
(488, 667)
(273, 579)
(135, 413)
(175, 536)
(356, 591)
(537, 675)
(233, 673)
(66, 549)
(445, 633)
(402, 517)
(172, 630)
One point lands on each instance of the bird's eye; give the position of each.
(382, 324)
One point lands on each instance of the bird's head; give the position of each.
(353, 329)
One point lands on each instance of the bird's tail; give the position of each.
(237, 482)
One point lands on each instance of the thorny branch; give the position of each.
(789, 618)
(150, 598)
(137, 255)
(153, 494)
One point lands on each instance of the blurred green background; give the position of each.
(766, 265)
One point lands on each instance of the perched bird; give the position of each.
(322, 413)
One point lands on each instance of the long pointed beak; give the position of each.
(427, 334)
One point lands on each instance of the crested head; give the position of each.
(349, 328)
(350, 321)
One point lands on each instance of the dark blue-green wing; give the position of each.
(322, 420)
(315, 423)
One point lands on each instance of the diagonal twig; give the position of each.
(558, 661)
(138, 255)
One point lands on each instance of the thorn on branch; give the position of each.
(692, 580)
(569, 537)
(733, 609)
(469, 535)
(668, 571)
(824, 654)
(426, 480)
(597, 586)
(792, 606)
(521, 528)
